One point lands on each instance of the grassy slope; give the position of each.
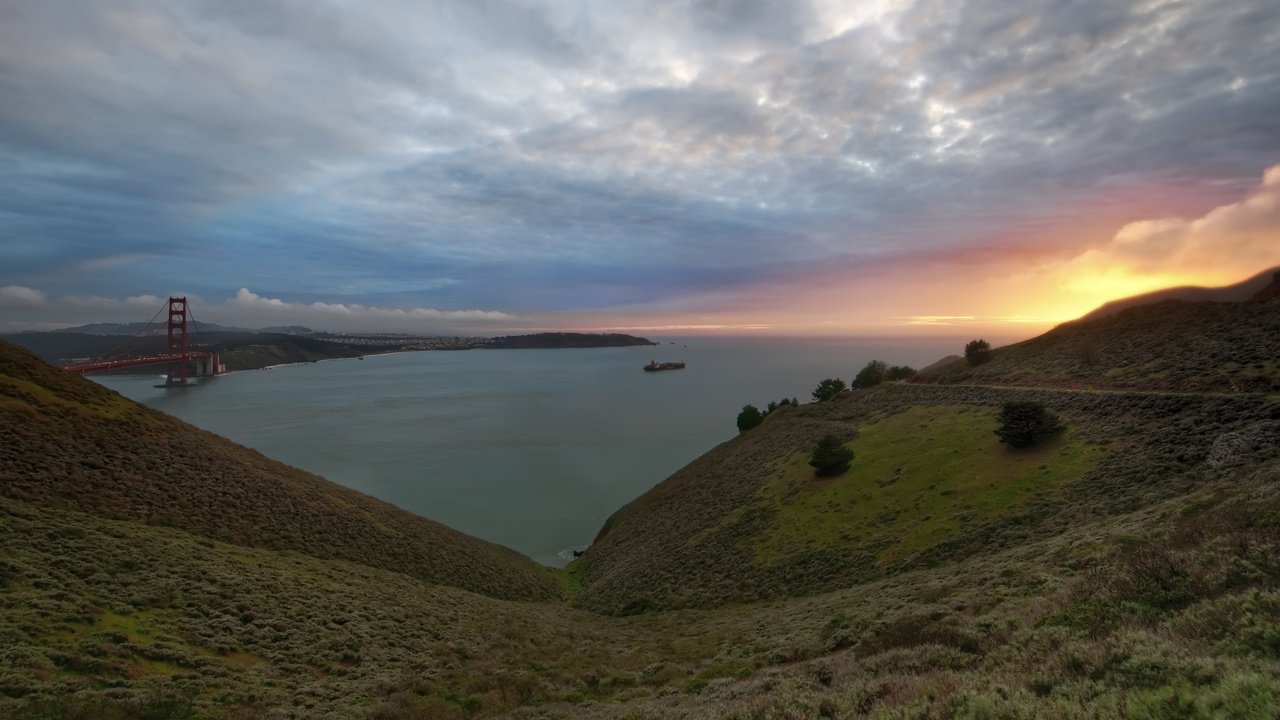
(908, 492)
(1171, 345)
(70, 443)
(748, 521)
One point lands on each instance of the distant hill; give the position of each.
(73, 444)
(253, 349)
(939, 364)
(288, 330)
(138, 328)
(1270, 292)
(1238, 292)
(553, 340)
(239, 350)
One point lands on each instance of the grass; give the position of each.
(919, 477)
(713, 533)
(135, 628)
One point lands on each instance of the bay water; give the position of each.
(532, 449)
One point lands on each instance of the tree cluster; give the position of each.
(879, 371)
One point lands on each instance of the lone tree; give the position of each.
(830, 457)
(874, 373)
(977, 352)
(749, 418)
(828, 389)
(1023, 423)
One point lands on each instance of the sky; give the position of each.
(657, 166)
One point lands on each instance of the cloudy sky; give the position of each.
(664, 165)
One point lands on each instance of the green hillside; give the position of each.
(930, 483)
(1130, 568)
(70, 443)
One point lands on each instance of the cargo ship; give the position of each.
(655, 366)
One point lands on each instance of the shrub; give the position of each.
(900, 372)
(873, 374)
(830, 457)
(977, 352)
(1022, 423)
(749, 418)
(828, 389)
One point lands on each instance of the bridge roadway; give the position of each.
(109, 365)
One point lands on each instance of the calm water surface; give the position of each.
(532, 449)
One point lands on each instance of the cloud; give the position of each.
(17, 296)
(595, 155)
(135, 302)
(938, 320)
(246, 309)
(248, 306)
(1223, 246)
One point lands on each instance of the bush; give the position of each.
(1022, 423)
(878, 371)
(828, 389)
(900, 372)
(977, 352)
(830, 457)
(873, 374)
(749, 418)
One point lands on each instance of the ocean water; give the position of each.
(532, 449)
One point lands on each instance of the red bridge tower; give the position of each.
(178, 340)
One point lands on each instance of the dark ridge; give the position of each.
(1191, 293)
(1270, 292)
(568, 340)
(72, 444)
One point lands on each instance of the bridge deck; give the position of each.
(109, 365)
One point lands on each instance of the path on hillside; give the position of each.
(1099, 391)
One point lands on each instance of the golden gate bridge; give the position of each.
(182, 361)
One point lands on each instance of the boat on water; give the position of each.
(655, 366)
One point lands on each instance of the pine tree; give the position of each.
(830, 457)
